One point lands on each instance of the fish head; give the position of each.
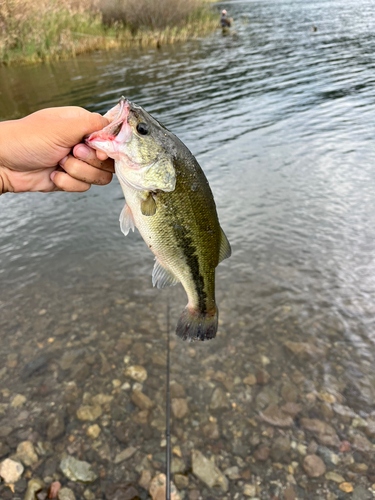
(141, 147)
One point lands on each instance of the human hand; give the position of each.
(35, 152)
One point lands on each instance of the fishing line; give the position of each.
(168, 474)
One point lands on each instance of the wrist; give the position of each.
(5, 130)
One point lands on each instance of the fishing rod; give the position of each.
(168, 435)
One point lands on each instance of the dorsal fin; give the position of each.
(225, 249)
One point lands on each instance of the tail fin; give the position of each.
(195, 325)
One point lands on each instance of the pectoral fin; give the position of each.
(148, 206)
(126, 220)
(162, 277)
(225, 249)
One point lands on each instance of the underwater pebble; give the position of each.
(141, 400)
(10, 470)
(179, 407)
(18, 400)
(314, 466)
(333, 476)
(33, 486)
(66, 494)
(274, 416)
(93, 431)
(181, 481)
(145, 479)
(101, 399)
(250, 380)
(56, 427)
(54, 489)
(89, 413)
(249, 490)
(157, 489)
(346, 487)
(77, 470)
(206, 470)
(26, 453)
(125, 454)
(89, 495)
(219, 400)
(137, 373)
(232, 472)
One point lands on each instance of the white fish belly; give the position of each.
(165, 251)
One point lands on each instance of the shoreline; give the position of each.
(94, 36)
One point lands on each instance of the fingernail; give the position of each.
(52, 176)
(81, 151)
(61, 162)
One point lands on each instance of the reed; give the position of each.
(46, 30)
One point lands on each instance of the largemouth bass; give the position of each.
(169, 201)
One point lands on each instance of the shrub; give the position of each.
(43, 28)
(151, 14)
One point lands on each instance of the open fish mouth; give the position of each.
(118, 132)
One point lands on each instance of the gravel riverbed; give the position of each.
(260, 412)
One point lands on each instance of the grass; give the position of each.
(46, 30)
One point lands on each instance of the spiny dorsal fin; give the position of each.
(225, 249)
(126, 220)
(148, 206)
(162, 277)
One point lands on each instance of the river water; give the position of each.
(281, 119)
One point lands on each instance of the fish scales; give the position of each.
(181, 235)
(169, 200)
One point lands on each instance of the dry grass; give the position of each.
(141, 14)
(33, 31)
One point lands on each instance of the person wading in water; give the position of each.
(225, 21)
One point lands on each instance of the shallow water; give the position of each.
(281, 120)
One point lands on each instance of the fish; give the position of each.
(169, 201)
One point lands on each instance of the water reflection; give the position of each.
(280, 120)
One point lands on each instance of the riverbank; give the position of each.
(60, 30)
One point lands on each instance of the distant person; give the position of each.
(225, 21)
(42, 152)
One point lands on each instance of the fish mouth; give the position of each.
(116, 133)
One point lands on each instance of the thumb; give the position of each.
(83, 124)
(93, 122)
(73, 123)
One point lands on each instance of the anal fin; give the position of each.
(126, 220)
(162, 277)
(225, 249)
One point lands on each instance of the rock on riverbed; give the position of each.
(77, 470)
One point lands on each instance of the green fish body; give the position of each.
(169, 200)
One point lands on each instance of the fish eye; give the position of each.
(142, 128)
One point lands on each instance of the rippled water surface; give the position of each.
(281, 119)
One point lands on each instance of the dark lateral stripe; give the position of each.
(185, 242)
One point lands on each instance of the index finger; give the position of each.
(88, 155)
